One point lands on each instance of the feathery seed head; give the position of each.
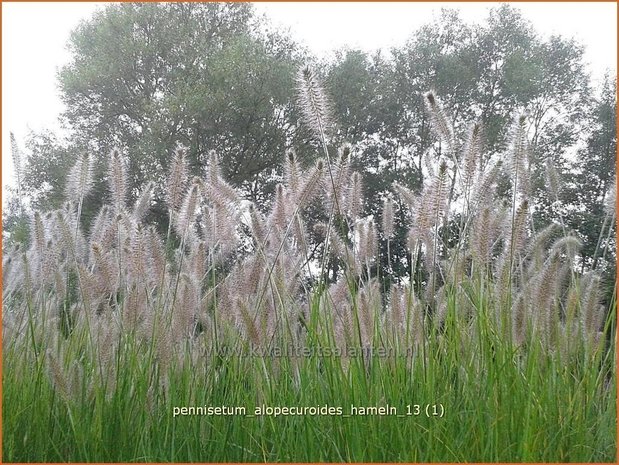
(407, 196)
(518, 154)
(258, 228)
(538, 244)
(16, 154)
(355, 196)
(519, 320)
(80, 180)
(483, 236)
(106, 269)
(213, 166)
(610, 204)
(314, 104)
(279, 215)
(157, 256)
(137, 259)
(217, 189)
(177, 180)
(388, 218)
(38, 229)
(117, 178)
(188, 209)
(516, 237)
(433, 202)
(58, 376)
(372, 236)
(440, 122)
(292, 171)
(101, 224)
(553, 180)
(472, 154)
(571, 245)
(590, 300)
(142, 205)
(309, 186)
(67, 237)
(367, 241)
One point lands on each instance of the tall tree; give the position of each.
(146, 77)
(591, 193)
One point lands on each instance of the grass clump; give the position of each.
(493, 348)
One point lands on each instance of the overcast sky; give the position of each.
(34, 36)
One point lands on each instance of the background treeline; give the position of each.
(147, 77)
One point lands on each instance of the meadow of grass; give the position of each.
(494, 348)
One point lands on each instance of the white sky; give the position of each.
(34, 36)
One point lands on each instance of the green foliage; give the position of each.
(107, 337)
(590, 198)
(15, 224)
(482, 73)
(145, 78)
(499, 405)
